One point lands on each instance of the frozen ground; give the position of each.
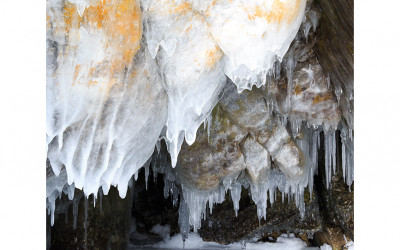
(194, 241)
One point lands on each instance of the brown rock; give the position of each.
(331, 235)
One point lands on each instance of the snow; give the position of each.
(194, 241)
(326, 247)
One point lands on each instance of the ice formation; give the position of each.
(124, 74)
(283, 242)
(190, 63)
(253, 35)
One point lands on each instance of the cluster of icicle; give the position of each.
(194, 203)
(121, 75)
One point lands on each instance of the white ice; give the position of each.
(194, 241)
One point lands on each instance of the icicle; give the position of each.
(71, 191)
(137, 174)
(277, 70)
(344, 161)
(327, 169)
(290, 65)
(146, 174)
(101, 198)
(338, 92)
(166, 188)
(235, 194)
(85, 222)
(302, 207)
(183, 220)
(330, 155)
(328, 81)
(271, 195)
(53, 207)
(158, 146)
(306, 28)
(333, 141)
(209, 122)
(350, 168)
(347, 156)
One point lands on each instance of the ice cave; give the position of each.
(199, 124)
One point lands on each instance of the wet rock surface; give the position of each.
(336, 202)
(281, 218)
(335, 50)
(332, 236)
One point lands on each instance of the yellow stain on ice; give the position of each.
(76, 73)
(298, 90)
(188, 28)
(120, 21)
(181, 9)
(168, 7)
(279, 12)
(322, 97)
(213, 55)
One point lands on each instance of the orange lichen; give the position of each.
(213, 55)
(181, 9)
(120, 21)
(97, 15)
(188, 28)
(92, 83)
(72, 19)
(298, 90)
(279, 12)
(320, 98)
(76, 72)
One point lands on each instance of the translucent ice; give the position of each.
(190, 63)
(253, 34)
(123, 75)
(100, 80)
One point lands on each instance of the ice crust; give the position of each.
(190, 63)
(253, 35)
(124, 75)
(194, 241)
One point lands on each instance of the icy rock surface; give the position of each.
(123, 75)
(268, 139)
(103, 94)
(190, 63)
(253, 34)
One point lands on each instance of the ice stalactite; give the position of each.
(313, 14)
(330, 155)
(347, 155)
(235, 195)
(253, 35)
(124, 75)
(183, 220)
(100, 70)
(190, 63)
(96, 93)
